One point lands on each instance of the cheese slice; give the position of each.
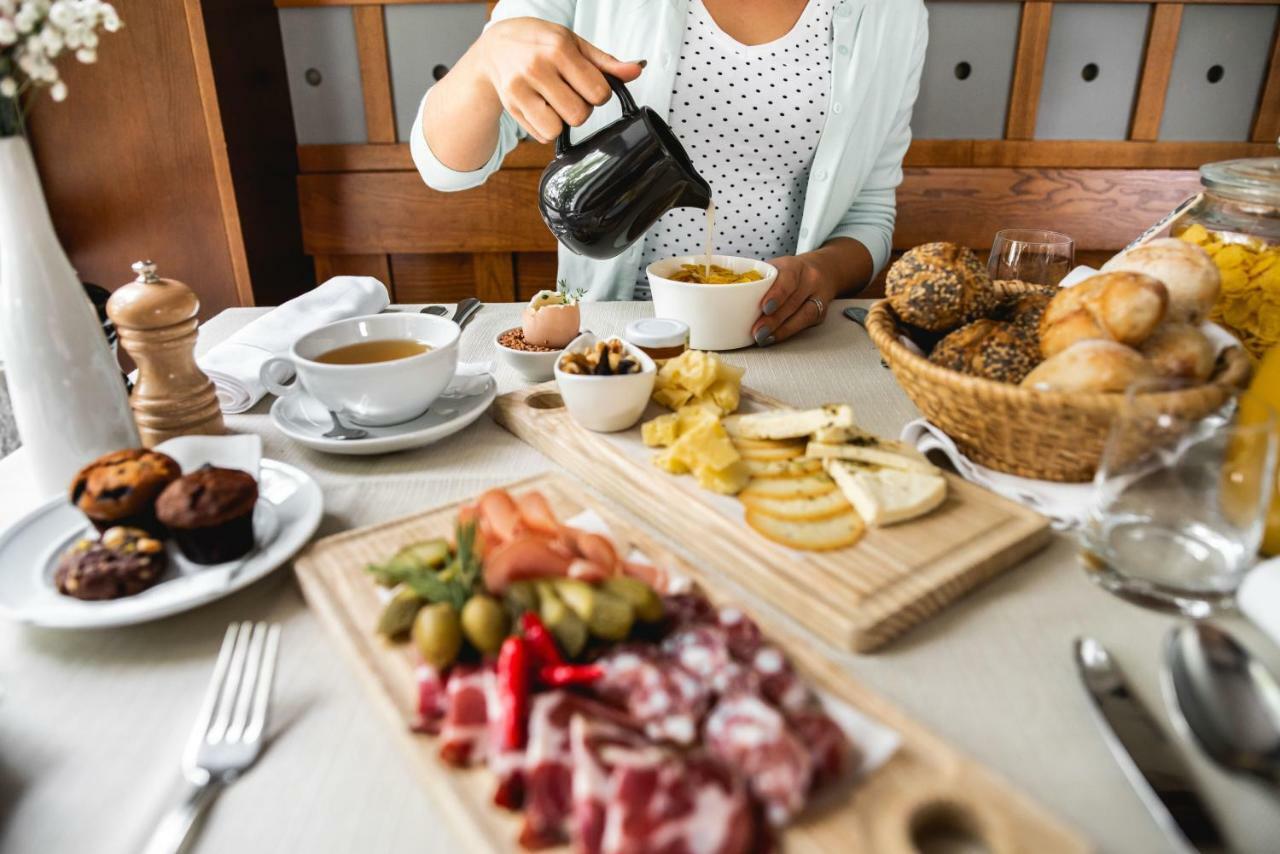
(876, 452)
(883, 496)
(788, 423)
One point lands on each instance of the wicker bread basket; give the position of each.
(1044, 435)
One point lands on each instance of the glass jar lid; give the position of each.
(1251, 180)
(657, 332)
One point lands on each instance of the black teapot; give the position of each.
(600, 196)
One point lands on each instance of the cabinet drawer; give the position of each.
(324, 75)
(1091, 70)
(964, 89)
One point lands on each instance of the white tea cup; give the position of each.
(371, 394)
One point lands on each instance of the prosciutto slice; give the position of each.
(666, 701)
(636, 798)
(752, 738)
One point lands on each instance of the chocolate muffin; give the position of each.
(124, 562)
(210, 513)
(120, 489)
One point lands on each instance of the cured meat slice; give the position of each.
(548, 777)
(829, 748)
(685, 609)
(464, 732)
(779, 683)
(635, 798)
(742, 634)
(432, 700)
(752, 738)
(666, 702)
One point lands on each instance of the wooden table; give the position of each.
(92, 723)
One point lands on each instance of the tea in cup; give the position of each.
(375, 371)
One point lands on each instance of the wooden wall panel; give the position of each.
(444, 277)
(328, 266)
(1157, 65)
(1028, 70)
(375, 73)
(535, 271)
(394, 212)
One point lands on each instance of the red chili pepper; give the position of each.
(513, 691)
(542, 646)
(562, 675)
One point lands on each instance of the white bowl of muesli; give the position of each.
(534, 363)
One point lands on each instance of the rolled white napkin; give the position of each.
(234, 364)
(1066, 504)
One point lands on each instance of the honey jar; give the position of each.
(1237, 221)
(660, 337)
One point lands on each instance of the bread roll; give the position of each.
(1091, 366)
(1025, 311)
(939, 286)
(1122, 307)
(1180, 351)
(1000, 351)
(1187, 271)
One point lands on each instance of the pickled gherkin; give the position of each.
(397, 617)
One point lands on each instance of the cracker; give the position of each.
(834, 532)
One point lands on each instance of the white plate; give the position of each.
(304, 419)
(288, 511)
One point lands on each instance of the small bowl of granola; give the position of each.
(547, 325)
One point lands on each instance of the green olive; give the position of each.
(437, 634)
(484, 622)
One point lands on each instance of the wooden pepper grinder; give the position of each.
(157, 322)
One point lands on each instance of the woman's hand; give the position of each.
(806, 285)
(545, 76)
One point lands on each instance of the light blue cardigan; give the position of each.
(877, 55)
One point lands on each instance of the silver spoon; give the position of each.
(341, 431)
(1225, 698)
(466, 310)
(435, 310)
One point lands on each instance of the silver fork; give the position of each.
(229, 730)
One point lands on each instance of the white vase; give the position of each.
(68, 398)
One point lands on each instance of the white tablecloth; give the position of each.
(92, 724)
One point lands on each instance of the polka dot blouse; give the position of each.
(750, 117)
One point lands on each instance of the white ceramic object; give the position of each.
(68, 397)
(607, 404)
(305, 420)
(534, 366)
(720, 317)
(289, 510)
(377, 394)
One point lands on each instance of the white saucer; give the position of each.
(288, 511)
(303, 419)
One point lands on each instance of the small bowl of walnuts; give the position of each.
(605, 383)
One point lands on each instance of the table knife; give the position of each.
(1146, 755)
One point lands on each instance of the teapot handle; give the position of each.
(629, 108)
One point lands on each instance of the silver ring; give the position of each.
(822, 309)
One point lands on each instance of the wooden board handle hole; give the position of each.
(946, 827)
(545, 400)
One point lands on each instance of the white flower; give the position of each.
(8, 87)
(87, 55)
(58, 91)
(8, 32)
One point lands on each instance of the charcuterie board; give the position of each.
(924, 787)
(858, 597)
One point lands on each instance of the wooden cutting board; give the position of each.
(859, 597)
(926, 787)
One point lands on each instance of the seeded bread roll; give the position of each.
(1180, 351)
(1186, 270)
(995, 350)
(940, 286)
(1026, 310)
(1092, 366)
(1121, 307)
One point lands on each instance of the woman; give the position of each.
(797, 113)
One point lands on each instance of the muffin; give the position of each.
(124, 562)
(120, 489)
(939, 286)
(210, 514)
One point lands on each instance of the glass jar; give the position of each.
(1237, 221)
(660, 337)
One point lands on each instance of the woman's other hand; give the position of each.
(545, 75)
(807, 284)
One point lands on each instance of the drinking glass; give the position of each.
(1031, 255)
(1179, 506)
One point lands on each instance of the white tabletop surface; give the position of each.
(92, 723)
